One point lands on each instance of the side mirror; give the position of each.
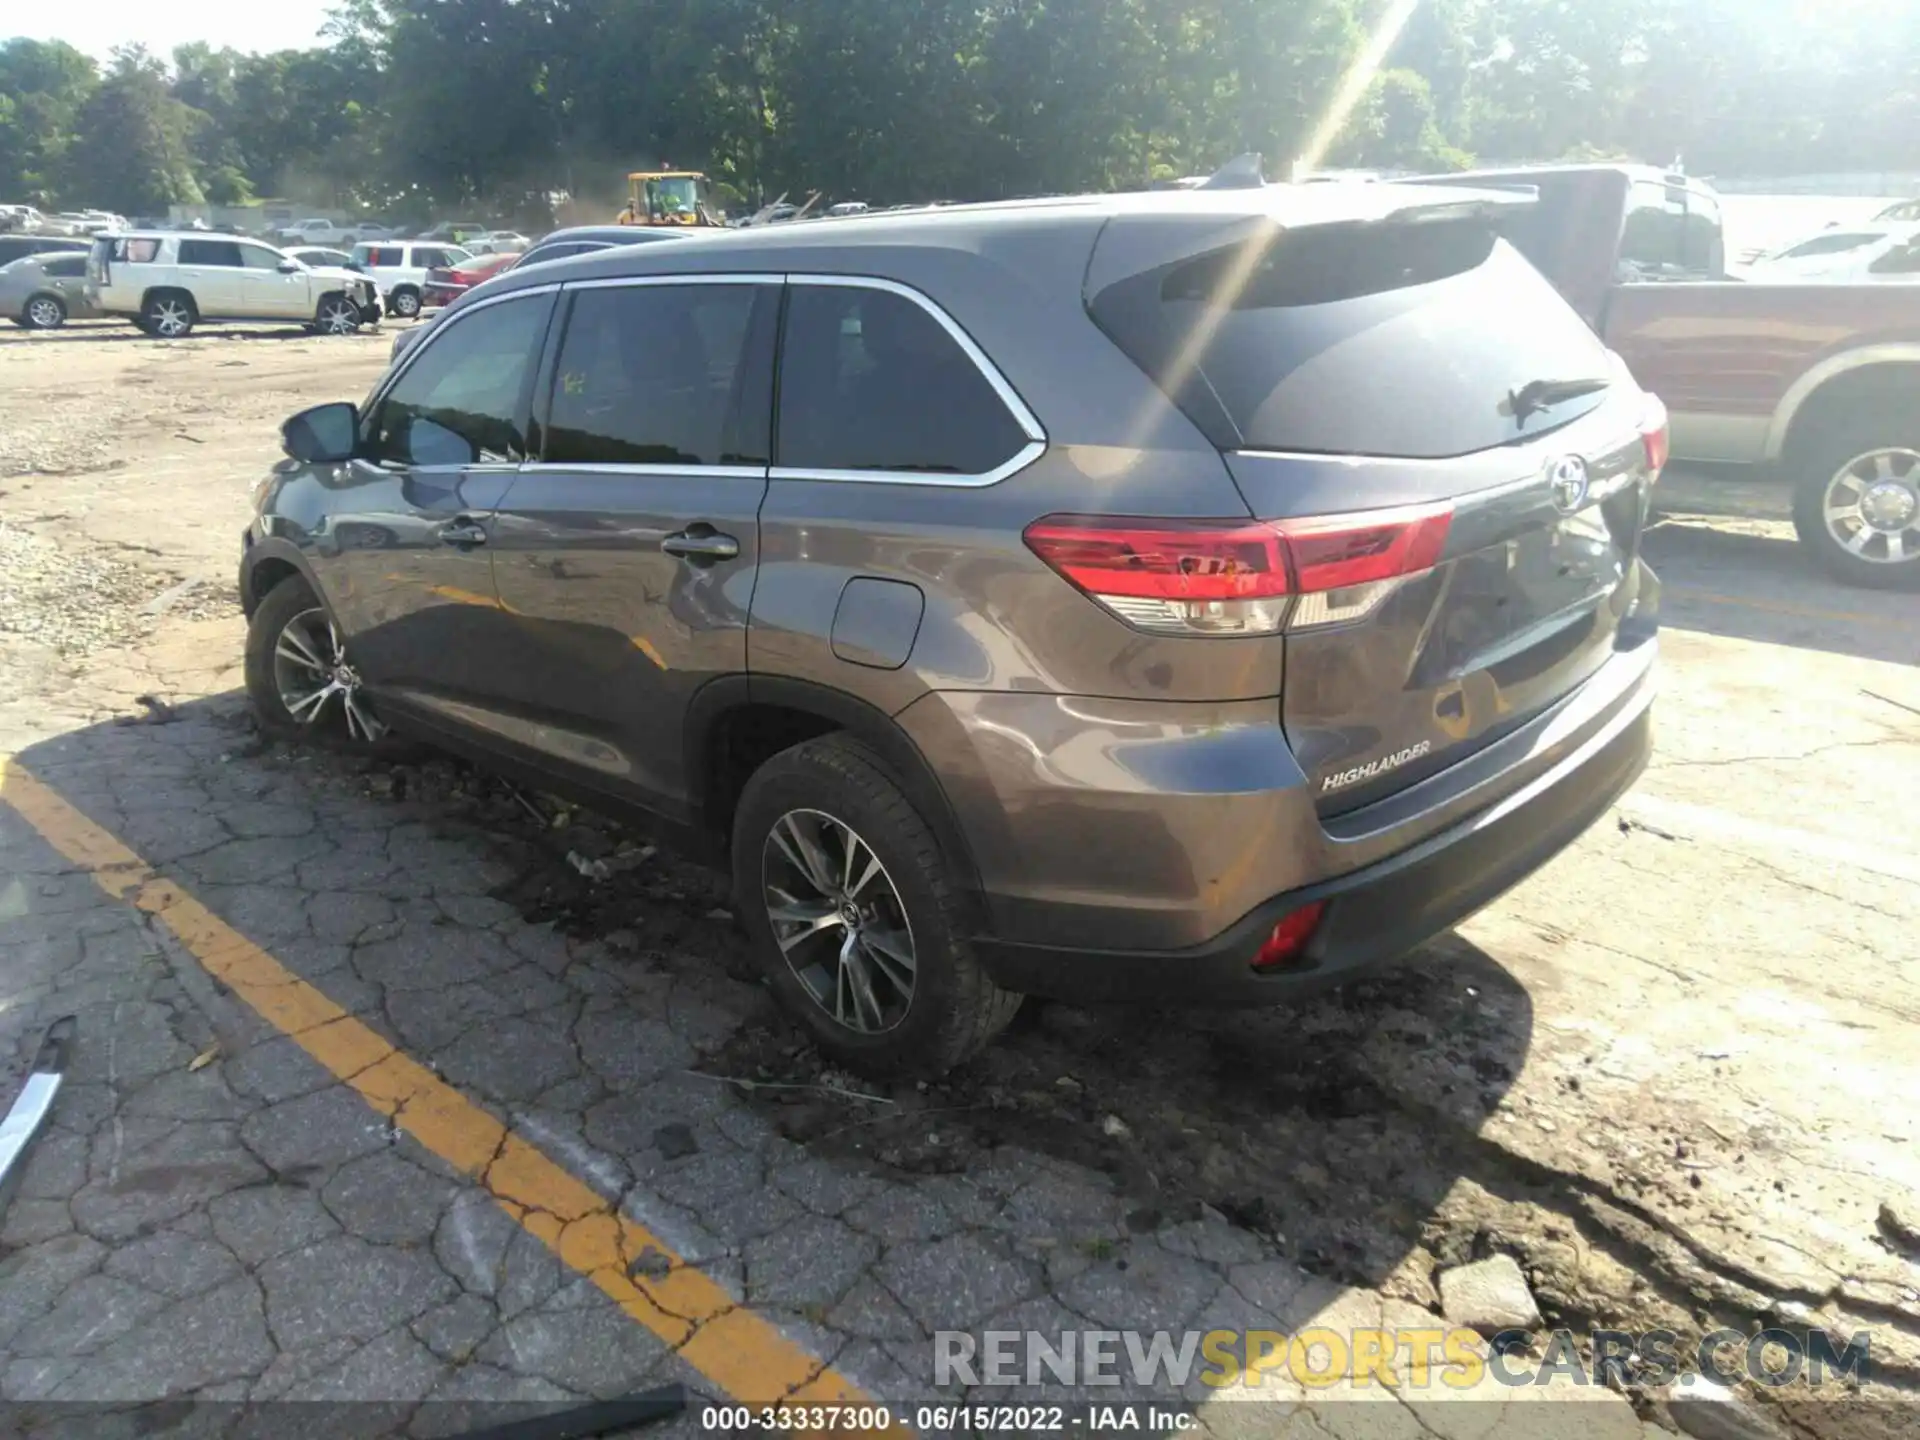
(289, 266)
(324, 435)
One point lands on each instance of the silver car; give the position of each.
(43, 292)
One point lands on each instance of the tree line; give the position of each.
(416, 106)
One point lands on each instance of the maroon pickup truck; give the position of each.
(1819, 381)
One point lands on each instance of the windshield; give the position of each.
(674, 195)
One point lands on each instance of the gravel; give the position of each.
(77, 598)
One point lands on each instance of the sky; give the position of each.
(96, 26)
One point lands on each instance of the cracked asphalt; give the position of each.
(377, 1099)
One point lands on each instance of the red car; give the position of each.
(443, 287)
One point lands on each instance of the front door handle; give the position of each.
(462, 534)
(701, 542)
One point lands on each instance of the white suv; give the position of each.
(167, 282)
(400, 268)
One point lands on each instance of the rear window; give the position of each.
(1399, 340)
(133, 250)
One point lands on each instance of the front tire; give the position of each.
(1856, 503)
(168, 315)
(299, 678)
(44, 312)
(337, 315)
(853, 915)
(404, 302)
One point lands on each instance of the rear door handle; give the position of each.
(462, 534)
(701, 542)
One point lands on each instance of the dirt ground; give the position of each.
(1672, 1074)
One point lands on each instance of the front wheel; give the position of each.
(44, 312)
(853, 915)
(299, 677)
(1856, 506)
(337, 315)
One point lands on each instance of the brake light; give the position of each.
(1211, 577)
(1288, 938)
(1654, 435)
(1203, 577)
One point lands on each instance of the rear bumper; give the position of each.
(1374, 914)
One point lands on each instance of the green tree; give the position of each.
(43, 85)
(132, 148)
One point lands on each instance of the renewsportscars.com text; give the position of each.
(1409, 1358)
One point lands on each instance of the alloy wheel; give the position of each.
(171, 318)
(838, 920)
(44, 314)
(406, 304)
(339, 317)
(310, 668)
(1872, 506)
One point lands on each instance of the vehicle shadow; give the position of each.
(111, 332)
(1763, 587)
(1330, 1133)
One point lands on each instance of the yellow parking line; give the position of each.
(742, 1353)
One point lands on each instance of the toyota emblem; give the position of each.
(1567, 482)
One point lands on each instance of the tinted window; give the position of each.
(1828, 245)
(1650, 238)
(461, 400)
(559, 252)
(651, 374)
(210, 252)
(1402, 340)
(378, 255)
(1902, 260)
(870, 381)
(64, 265)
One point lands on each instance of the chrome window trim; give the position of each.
(704, 277)
(718, 472)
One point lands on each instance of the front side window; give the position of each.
(462, 400)
(259, 257)
(869, 380)
(222, 253)
(1901, 260)
(654, 374)
(1828, 245)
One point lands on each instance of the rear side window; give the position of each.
(656, 374)
(133, 250)
(869, 380)
(377, 256)
(462, 399)
(1392, 340)
(223, 253)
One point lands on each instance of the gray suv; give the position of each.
(1179, 597)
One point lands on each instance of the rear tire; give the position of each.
(404, 302)
(1856, 496)
(168, 315)
(44, 312)
(841, 978)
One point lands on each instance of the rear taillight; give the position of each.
(1654, 435)
(1210, 577)
(1290, 936)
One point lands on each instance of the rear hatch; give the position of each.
(1456, 466)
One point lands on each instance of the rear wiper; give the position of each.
(1539, 394)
